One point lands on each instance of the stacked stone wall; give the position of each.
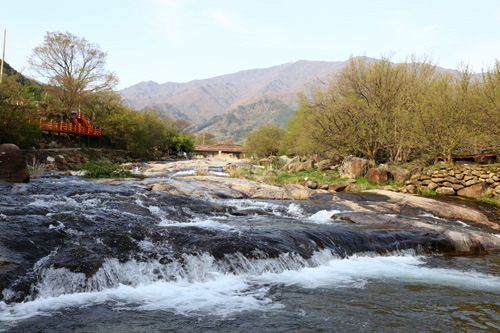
(465, 180)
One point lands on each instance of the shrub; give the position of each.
(103, 169)
(36, 168)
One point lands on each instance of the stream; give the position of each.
(82, 256)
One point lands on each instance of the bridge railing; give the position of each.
(49, 125)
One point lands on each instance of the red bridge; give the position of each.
(79, 125)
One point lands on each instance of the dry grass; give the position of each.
(36, 168)
(201, 171)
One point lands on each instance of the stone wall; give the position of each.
(73, 158)
(464, 180)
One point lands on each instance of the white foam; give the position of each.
(219, 174)
(359, 270)
(184, 173)
(323, 216)
(295, 210)
(202, 285)
(227, 295)
(202, 223)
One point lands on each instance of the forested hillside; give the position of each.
(237, 123)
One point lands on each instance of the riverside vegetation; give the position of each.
(79, 81)
(391, 112)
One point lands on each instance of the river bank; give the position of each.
(78, 253)
(209, 253)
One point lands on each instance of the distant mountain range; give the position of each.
(232, 105)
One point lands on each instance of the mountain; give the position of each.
(241, 120)
(9, 71)
(232, 105)
(200, 100)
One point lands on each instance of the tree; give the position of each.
(448, 115)
(73, 67)
(183, 126)
(205, 138)
(18, 114)
(265, 140)
(366, 109)
(490, 99)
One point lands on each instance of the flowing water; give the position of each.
(86, 257)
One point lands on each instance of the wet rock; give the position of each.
(13, 166)
(438, 208)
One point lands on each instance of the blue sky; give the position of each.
(183, 40)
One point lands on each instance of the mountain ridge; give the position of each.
(263, 93)
(200, 100)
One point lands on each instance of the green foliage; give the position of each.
(264, 141)
(18, 114)
(145, 133)
(297, 177)
(387, 111)
(495, 201)
(103, 169)
(183, 143)
(426, 191)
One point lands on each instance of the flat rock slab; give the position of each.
(154, 168)
(438, 208)
(236, 188)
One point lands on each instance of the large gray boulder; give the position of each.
(353, 167)
(13, 166)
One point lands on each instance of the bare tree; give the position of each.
(72, 67)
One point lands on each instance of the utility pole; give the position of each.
(3, 55)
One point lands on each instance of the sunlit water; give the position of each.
(403, 290)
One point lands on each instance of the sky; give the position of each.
(184, 40)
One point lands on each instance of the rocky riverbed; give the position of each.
(215, 253)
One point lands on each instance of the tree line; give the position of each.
(74, 70)
(396, 112)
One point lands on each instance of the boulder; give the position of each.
(325, 165)
(377, 176)
(432, 186)
(353, 167)
(294, 160)
(300, 166)
(340, 186)
(298, 192)
(312, 185)
(13, 166)
(400, 175)
(284, 159)
(474, 191)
